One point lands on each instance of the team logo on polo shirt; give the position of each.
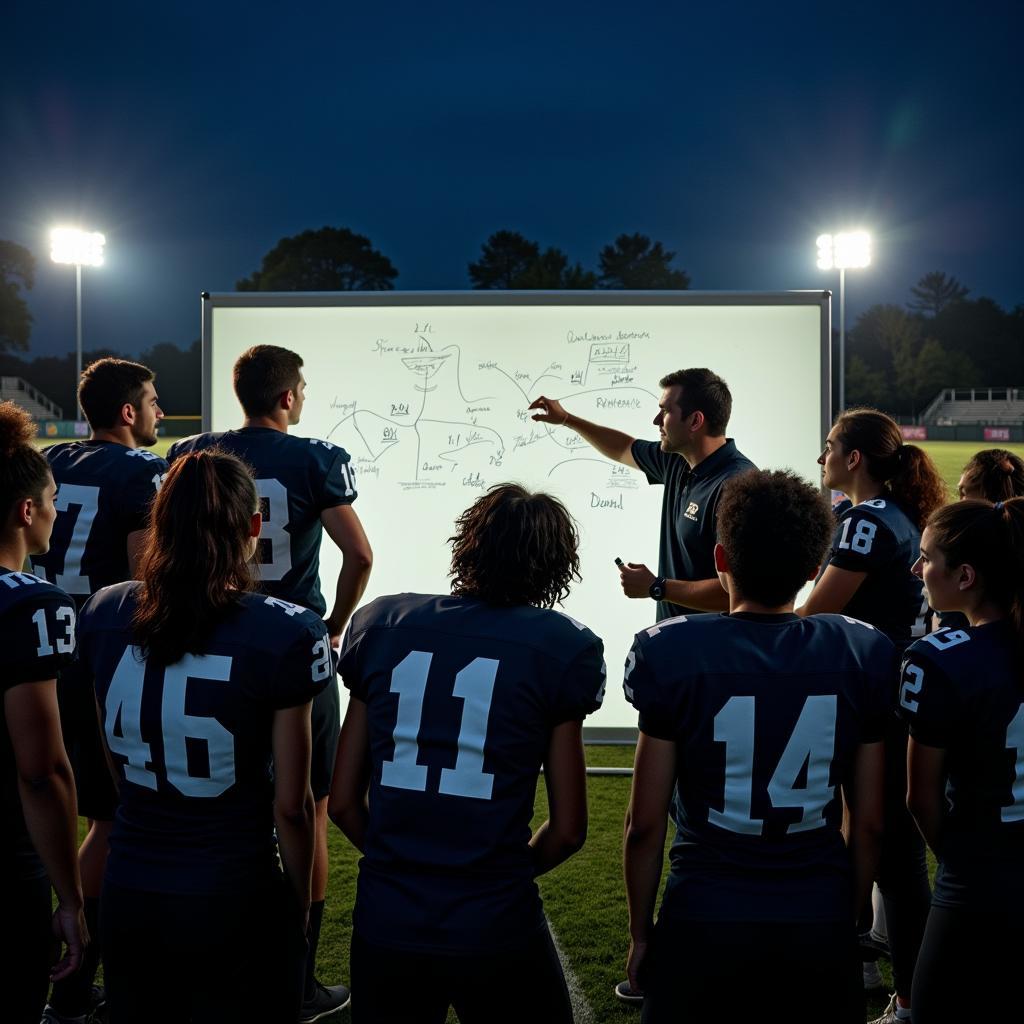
(691, 511)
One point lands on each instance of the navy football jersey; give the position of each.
(104, 492)
(962, 690)
(877, 537)
(767, 713)
(192, 740)
(297, 478)
(37, 637)
(461, 700)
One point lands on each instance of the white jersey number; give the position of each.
(862, 539)
(812, 742)
(71, 580)
(475, 685)
(123, 724)
(1015, 742)
(274, 506)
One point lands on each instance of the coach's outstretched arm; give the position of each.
(565, 776)
(611, 443)
(344, 528)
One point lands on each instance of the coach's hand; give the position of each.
(549, 410)
(636, 579)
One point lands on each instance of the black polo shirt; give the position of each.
(688, 510)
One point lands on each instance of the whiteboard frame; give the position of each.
(498, 297)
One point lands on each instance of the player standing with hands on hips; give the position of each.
(692, 460)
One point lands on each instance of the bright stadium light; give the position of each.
(83, 249)
(848, 249)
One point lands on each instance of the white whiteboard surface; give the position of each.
(428, 394)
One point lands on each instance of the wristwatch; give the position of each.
(657, 590)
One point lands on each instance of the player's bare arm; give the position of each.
(643, 845)
(565, 776)
(344, 528)
(863, 824)
(293, 798)
(347, 803)
(926, 785)
(833, 591)
(47, 791)
(612, 444)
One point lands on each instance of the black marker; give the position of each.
(620, 563)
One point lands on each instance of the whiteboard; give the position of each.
(428, 393)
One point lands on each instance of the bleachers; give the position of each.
(992, 406)
(34, 402)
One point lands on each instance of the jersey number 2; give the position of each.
(475, 685)
(812, 743)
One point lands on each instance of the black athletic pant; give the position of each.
(25, 964)
(391, 986)
(747, 972)
(903, 869)
(210, 960)
(969, 967)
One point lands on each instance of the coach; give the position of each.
(693, 460)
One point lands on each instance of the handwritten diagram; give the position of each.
(433, 414)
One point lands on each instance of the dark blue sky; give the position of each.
(196, 137)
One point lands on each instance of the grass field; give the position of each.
(585, 897)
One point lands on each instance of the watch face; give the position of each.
(657, 590)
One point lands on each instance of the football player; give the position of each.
(105, 487)
(200, 682)
(38, 813)
(457, 701)
(962, 693)
(761, 725)
(892, 489)
(306, 487)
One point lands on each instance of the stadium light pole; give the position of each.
(848, 249)
(83, 249)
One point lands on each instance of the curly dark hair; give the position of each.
(997, 473)
(515, 547)
(775, 529)
(24, 473)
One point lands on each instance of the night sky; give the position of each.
(195, 136)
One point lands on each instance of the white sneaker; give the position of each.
(889, 1016)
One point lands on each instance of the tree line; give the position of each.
(898, 357)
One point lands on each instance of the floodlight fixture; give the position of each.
(81, 249)
(847, 250)
(72, 245)
(844, 251)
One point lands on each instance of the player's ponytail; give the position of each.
(996, 473)
(990, 538)
(197, 555)
(907, 473)
(24, 472)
